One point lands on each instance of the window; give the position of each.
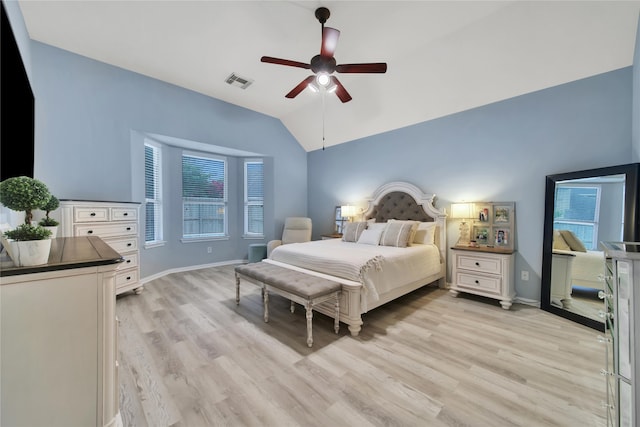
(204, 196)
(253, 198)
(577, 209)
(152, 194)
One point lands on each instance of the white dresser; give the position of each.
(622, 329)
(58, 340)
(117, 223)
(484, 271)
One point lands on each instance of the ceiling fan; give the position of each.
(324, 64)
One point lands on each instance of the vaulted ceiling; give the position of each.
(443, 56)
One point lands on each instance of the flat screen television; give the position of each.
(16, 109)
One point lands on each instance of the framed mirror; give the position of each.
(582, 209)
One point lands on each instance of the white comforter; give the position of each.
(378, 268)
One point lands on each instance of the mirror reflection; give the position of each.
(586, 211)
(582, 209)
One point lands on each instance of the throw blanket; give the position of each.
(345, 261)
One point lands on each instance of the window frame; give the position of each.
(596, 214)
(247, 203)
(158, 199)
(224, 202)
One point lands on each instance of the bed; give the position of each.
(573, 265)
(370, 274)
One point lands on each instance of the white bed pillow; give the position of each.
(377, 226)
(397, 233)
(352, 230)
(426, 233)
(370, 236)
(414, 228)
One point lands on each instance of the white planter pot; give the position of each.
(29, 252)
(53, 229)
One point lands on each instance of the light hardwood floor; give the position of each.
(190, 357)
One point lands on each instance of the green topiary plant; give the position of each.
(28, 232)
(48, 207)
(22, 193)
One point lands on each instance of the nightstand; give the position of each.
(331, 236)
(484, 271)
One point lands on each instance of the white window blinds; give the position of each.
(204, 196)
(152, 194)
(253, 198)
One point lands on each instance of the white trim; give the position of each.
(154, 244)
(189, 268)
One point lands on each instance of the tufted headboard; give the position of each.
(401, 200)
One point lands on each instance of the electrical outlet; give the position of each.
(209, 249)
(524, 275)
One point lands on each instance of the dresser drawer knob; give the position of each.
(603, 339)
(125, 214)
(604, 372)
(90, 232)
(603, 315)
(128, 277)
(603, 295)
(128, 261)
(129, 244)
(477, 282)
(128, 228)
(478, 264)
(92, 214)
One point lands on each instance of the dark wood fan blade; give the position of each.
(341, 92)
(374, 67)
(279, 61)
(301, 86)
(329, 42)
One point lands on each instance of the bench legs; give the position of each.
(308, 306)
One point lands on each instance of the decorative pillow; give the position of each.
(426, 233)
(370, 237)
(396, 233)
(559, 242)
(377, 226)
(352, 230)
(574, 243)
(414, 228)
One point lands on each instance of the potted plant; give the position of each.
(47, 222)
(27, 245)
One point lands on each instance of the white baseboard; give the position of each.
(148, 279)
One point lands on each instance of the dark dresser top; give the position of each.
(67, 253)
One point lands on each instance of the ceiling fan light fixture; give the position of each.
(323, 79)
(313, 87)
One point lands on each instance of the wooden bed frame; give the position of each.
(395, 200)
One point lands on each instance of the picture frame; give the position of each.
(483, 212)
(501, 237)
(502, 214)
(493, 225)
(481, 234)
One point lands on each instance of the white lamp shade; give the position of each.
(461, 210)
(348, 211)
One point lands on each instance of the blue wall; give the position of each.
(498, 152)
(89, 116)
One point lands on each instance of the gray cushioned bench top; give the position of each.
(294, 282)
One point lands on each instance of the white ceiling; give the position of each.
(443, 56)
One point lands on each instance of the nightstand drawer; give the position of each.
(479, 263)
(130, 261)
(476, 281)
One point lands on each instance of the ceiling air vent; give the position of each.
(236, 80)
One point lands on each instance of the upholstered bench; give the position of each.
(299, 287)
